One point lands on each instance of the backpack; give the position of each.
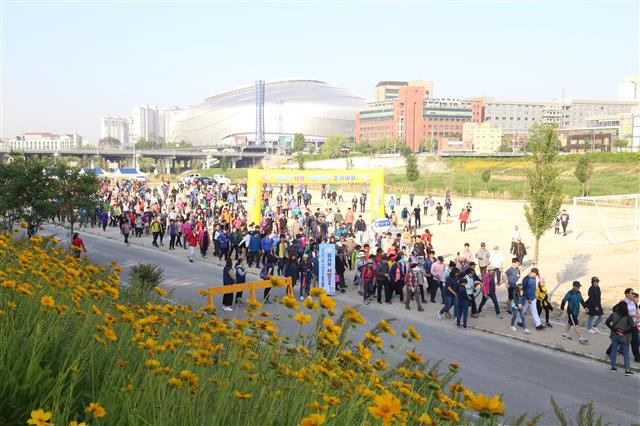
(367, 273)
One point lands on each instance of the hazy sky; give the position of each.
(66, 64)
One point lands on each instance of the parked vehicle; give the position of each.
(222, 179)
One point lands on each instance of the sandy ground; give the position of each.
(562, 260)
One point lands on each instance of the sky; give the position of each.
(66, 64)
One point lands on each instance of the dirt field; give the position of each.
(562, 259)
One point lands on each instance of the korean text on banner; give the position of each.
(327, 268)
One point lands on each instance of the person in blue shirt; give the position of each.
(529, 284)
(266, 246)
(254, 249)
(462, 302)
(573, 300)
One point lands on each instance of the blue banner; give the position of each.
(327, 268)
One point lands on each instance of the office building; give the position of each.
(115, 127)
(482, 137)
(414, 119)
(45, 141)
(166, 117)
(629, 89)
(517, 116)
(389, 90)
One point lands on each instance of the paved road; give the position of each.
(525, 374)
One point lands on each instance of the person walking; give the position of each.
(397, 275)
(529, 284)
(77, 246)
(462, 302)
(172, 230)
(382, 279)
(495, 262)
(413, 278)
(437, 280)
(542, 301)
(518, 307)
(241, 278)
(621, 325)
(573, 300)
(228, 278)
(463, 217)
(368, 280)
(155, 228)
(126, 230)
(484, 258)
(513, 276)
(267, 271)
(449, 293)
(439, 213)
(306, 276)
(489, 292)
(564, 221)
(594, 306)
(192, 242)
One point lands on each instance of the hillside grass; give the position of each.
(76, 346)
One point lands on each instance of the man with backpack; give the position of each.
(529, 284)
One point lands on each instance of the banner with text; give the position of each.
(327, 268)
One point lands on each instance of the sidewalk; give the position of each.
(550, 338)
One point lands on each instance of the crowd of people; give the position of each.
(400, 263)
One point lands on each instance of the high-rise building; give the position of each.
(629, 89)
(165, 122)
(115, 127)
(145, 123)
(389, 90)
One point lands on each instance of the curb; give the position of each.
(551, 347)
(497, 333)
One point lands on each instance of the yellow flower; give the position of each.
(331, 327)
(40, 417)
(47, 301)
(302, 318)
(96, 409)
(381, 364)
(327, 302)
(364, 351)
(414, 334)
(160, 291)
(353, 315)
(241, 395)
(424, 419)
(414, 356)
(331, 400)
(374, 339)
(12, 306)
(290, 302)
(152, 363)
(75, 423)
(386, 327)
(482, 403)
(310, 303)
(385, 407)
(313, 420)
(109, 333)
(447, 414)
(127, 388)
(23, 225)
(253, 303)
(317, 291)
(175, 382)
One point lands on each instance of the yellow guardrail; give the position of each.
(251, 286)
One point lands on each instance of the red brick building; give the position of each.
(415, 119)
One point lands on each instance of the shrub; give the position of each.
(145, 277)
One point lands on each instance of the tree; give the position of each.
(620, 143)
(486, 175)
(543, 193)
(75, 193)
(298, 142)
(504, 147)
(411, 165)
(300, 159)
(27, 194)
(109, 142)
(583, 172)
(224, 164)
(146, 164)
(405, 150)
(333, 146)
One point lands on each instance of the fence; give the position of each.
(250, 286)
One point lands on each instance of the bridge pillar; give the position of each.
(233, 163)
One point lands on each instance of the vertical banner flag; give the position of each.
(327, 268)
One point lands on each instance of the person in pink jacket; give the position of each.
(489, 291)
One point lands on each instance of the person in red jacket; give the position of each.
(77, 245)
(192, 241)
(464, 217)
